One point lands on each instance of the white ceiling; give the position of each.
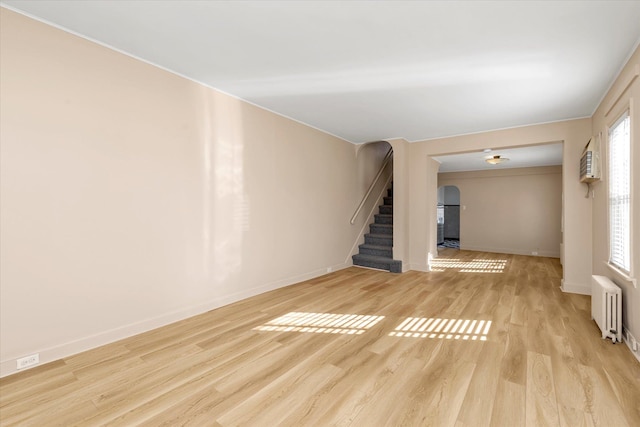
(521, 157)
(368, 71)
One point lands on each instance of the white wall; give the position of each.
(623, 95)
(131, 197)
(516, 211)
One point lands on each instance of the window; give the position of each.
(620, 194)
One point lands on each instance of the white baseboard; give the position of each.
(575, 288)
(419, 267)
(8, 367)
(629, 339)
(547, 254)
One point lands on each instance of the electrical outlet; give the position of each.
(329, 269)
(31, 360)
(534, 253)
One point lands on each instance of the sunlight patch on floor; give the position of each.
(450, 329)
(473, 266)
(325, 323)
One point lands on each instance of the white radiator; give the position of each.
(606, 307)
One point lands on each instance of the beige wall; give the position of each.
(422, 183)
(623, 95)
(131, 197)
(401, 201)
(516, 211)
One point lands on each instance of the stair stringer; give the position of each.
(370, 218)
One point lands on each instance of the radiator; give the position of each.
(606, 307)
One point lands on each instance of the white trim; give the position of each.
(634, 76)
(8, 367)
(67, 30)
(575, 288)
(627, 337)
(632, 134)
(511, 251)
(625, 110)
(623, 64)
(168, 70)
(412, 141)
(624, 276)
(425, 268)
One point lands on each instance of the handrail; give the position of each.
(386, 160)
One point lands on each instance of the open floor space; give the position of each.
(484, 339)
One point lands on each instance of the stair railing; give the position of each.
(385, 162)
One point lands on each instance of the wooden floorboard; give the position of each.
(483, 340)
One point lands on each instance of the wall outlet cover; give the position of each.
(27, 361)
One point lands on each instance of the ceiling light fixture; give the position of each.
(494, 160)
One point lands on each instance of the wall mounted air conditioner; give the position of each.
(590, 161)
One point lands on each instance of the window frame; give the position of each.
(626, 274)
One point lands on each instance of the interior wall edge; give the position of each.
(575, 288)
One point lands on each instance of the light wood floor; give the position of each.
(523, 353)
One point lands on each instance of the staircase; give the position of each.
(377, 250)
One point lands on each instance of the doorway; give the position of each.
(448, 216)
